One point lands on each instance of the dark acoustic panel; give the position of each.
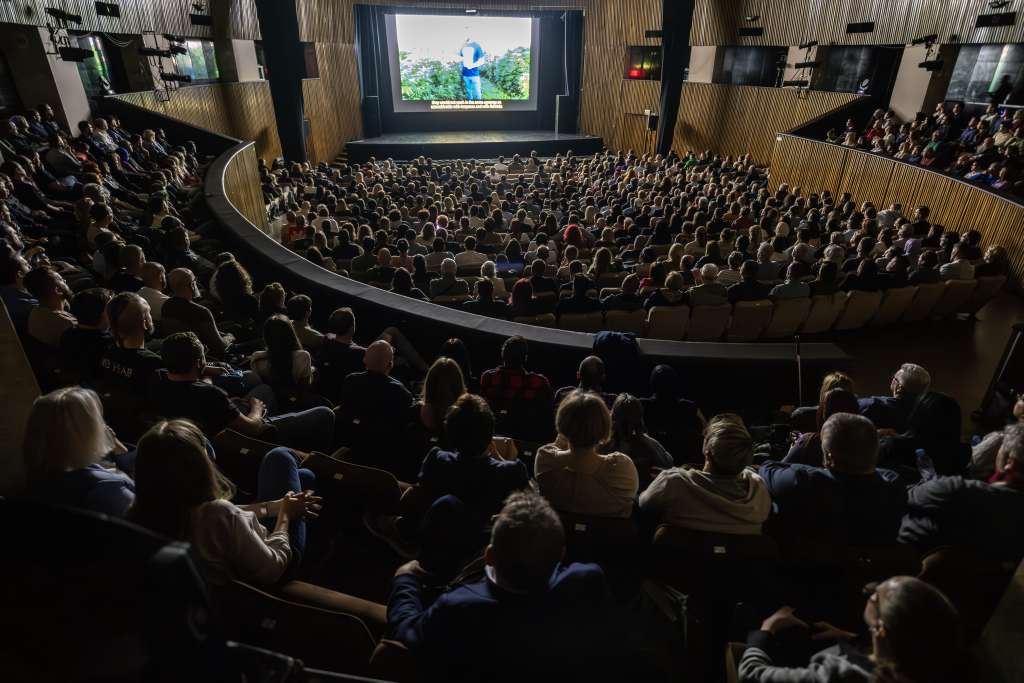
(861, 27)
(1001, 19)
(371, 116)
(565, 114)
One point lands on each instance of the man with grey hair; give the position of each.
(710, 293)
(908, 384)
(986, 516)
(849, 500)
(448, 284)
(727, 496)
(526, 617)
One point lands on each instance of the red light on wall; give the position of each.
(636, 73)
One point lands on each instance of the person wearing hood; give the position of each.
(726, 496)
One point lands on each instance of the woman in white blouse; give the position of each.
(571, 472)
(181, 494)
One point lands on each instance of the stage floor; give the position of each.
(469, 144)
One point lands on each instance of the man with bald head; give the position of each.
(591, 377)
(181, 313)
(374, 404)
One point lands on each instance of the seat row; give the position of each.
(752, 320)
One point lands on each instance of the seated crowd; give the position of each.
(611, 232)
(986, 149)
(151, 353)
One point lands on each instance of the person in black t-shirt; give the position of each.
(127, 364)
(181, 393)
(82, 347)
(340, 356)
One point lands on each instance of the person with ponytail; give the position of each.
(914, 636)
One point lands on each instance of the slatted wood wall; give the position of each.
(815, 166)
(792, 22)
(610, 106)
(241, 110)
(242, 187)
(737, 119)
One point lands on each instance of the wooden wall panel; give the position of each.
(607, 100)
(745, 119)
(242, 187)
(815, 166)
(897, 22)
(332, 102)
(241, 110)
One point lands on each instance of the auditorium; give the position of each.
(508, 341)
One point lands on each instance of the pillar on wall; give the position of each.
(677, 18)
(794, 56)
(703, 63)
(918, 90)
(279, 26)
(40, 77)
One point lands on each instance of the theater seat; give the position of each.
(626, 321)
(894, 305)
(787, 317)
(321, 638)
(955, 298)
(668, 322)
(708, 323)
(543, 320)
(924, 301)
(599, 539)
(987, 288)
(582, 322)
(451, 300)
(546, 301)
(860, 308)
(392, 661)
(825, 310)
(749, 320)
(239, 457)
(358, 488)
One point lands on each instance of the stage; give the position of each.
(471, 144)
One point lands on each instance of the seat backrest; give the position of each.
(707, 323)
(860, 308)
(894, 305)
(582, 322)
(626, 321)
(983, 293)
(543, 320)
(589, 538)
(825, 310)
(449, 299)
(692, 559)
(924, 301)
(392, 661)
(987, 288)
(321, 638)
(546, 299)
(609, 291)
(668, 322)
(239, 457)
(787, 316)
(955, 298)
(356, 487)
(749, 320)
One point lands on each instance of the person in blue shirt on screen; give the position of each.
(472, 59)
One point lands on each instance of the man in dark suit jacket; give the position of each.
(376, 405)
(529, 617)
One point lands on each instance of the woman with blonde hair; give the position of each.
(70, 454)
(182, 495)
(441, 388)
(572, 472)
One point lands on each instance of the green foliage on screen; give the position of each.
(501, 78)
